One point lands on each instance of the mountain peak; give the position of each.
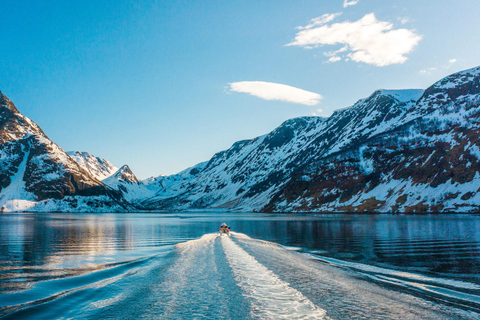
(2, 97)
(125, 174)
(13, 124)
(458, 79)
(450, 93)
(402, 95)
(6, 103)
(34, 169)
(96, 166)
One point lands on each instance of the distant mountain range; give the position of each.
(395, 151)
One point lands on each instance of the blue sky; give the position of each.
(163, 85)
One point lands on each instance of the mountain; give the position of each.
(249, 174)
(120, 180)
(394, 151)
(428, 163)
(97, 167)
(126, 183)
(37, 175)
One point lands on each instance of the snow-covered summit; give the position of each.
(34, 170)
(457, 79)
(125, 182)
(403, 95)
(265, 172)
(123, 174)
(427, 160)
(96, 166)
(396, 150)
(13, 124)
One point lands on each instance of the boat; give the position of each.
(224, 230)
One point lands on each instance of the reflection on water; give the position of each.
(47, 256)
(433, 243)
(38, 247)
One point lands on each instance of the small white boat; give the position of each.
(224, 230)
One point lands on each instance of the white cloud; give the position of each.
(347, 3)
(366, 40)
(276, 91)
(333, 55)
(334, 59)
(444, 67)
(318, 21)
(318, 113)
(428, 70)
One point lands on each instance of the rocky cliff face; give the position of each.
(126, 183)
(395, 151)
(97, 167)
(429, 162)
(33, 168)
(250, 173)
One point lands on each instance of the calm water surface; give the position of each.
(174, 266)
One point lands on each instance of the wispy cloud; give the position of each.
(347, 3)
(403, 20)
(428, 70)
(444, 67)
(276, 91)
(318, 21)
(367, 40)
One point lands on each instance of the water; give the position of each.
(175, 266)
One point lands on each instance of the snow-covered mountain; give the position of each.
(126, 183)
(97, 167)
(397, 150)
(250, 173)
(394, 151)
(37, 175)
(428, 162)
(123, 181)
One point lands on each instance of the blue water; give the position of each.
(175, 266)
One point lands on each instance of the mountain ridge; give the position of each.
(41, 172)
(407, 150)
(96, 166)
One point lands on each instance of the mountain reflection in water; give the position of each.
(46, 256)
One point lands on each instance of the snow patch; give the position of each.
(404, 95)
(16, 189)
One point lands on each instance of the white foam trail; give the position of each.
(209, 237)
(403, 275)
(271, 297)
(240, 235)
(192, 279)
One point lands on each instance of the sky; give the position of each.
(164, 85)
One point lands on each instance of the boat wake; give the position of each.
(271, 298)
(238, 277)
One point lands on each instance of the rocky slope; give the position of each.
(250, 173)
(395, 151)
(98, 168)
(429, 162)
(126, 183)
(36, 174)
